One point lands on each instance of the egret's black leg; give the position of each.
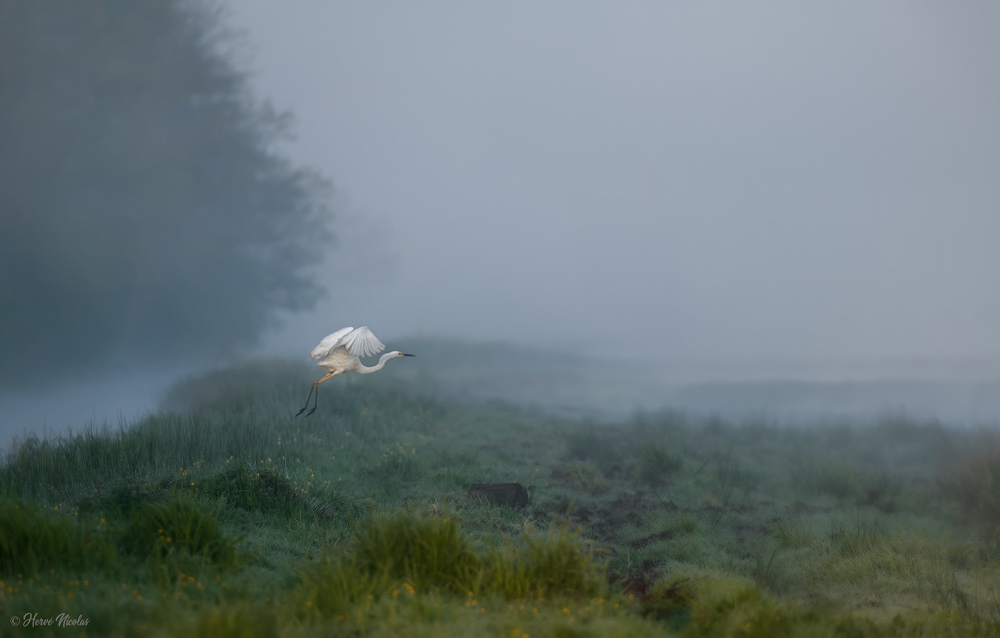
(315, 400)
(311, 390)
(314, 389)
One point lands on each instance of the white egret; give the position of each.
(338, 353)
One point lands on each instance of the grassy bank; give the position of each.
(227, 516)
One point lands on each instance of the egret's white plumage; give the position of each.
(360, 343)
(339, 352)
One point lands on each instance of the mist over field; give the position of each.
(700, 303)
(769, 210)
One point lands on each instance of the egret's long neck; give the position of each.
(363, 369)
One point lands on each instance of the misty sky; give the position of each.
(696, 181)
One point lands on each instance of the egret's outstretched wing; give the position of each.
(362, 343)
(329, 342)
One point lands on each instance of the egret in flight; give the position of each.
(339, 352)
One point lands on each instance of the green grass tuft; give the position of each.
(852, 540)
(427, 551)
(124, 498)
(253, 489)
(180, 525)
(790, 533)
(31, 540)
(560, 563)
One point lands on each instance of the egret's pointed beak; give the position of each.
(406, 355)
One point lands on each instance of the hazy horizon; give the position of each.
(708, 192)
(964, 393)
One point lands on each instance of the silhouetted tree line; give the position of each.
(144, 213)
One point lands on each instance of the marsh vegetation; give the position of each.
(224, 515)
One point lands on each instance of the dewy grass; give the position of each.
(46, 469)
(257, 507)
(790, 533)
(254, 489)
(857, 538)
(427, 551)
(764, 566)
(399, 462)
(180, 525)
(560, 563)
(31, 540)
(122, 499)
